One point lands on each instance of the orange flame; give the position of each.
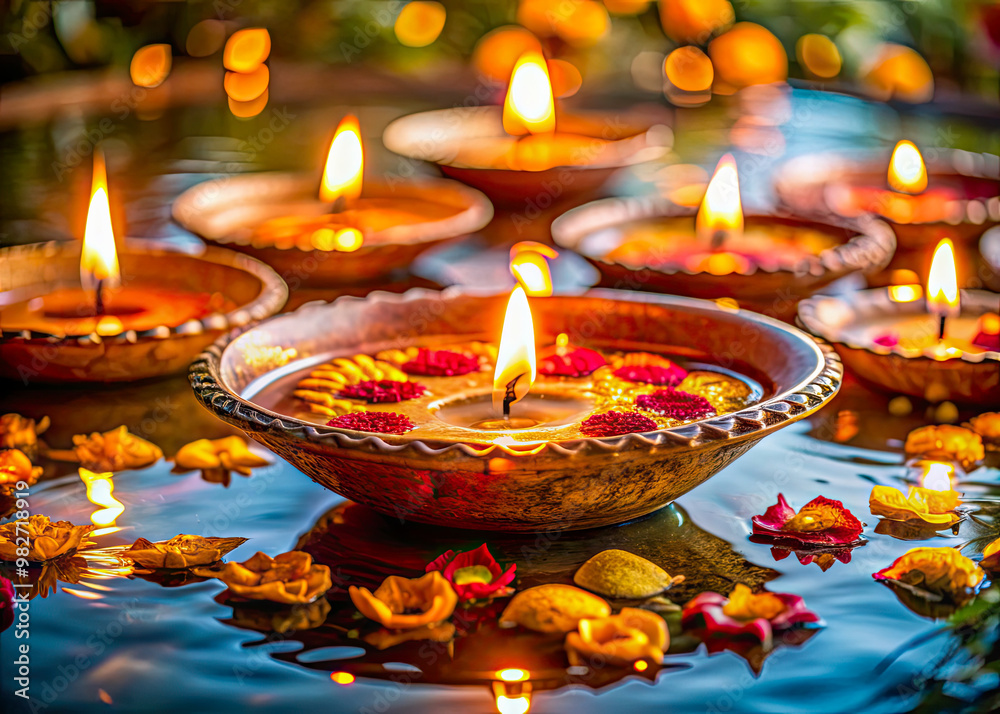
(942, 282)
(937, 476)
(721, 214)
(99, 257)
(529, 263)
(529, 107)
(516, 354)
(907, 172)
(100, 490)
(345, 163)
(512, 675)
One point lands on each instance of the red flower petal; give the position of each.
(675, 404)
(708, 607)
(822, 521)
(377, 422)
(449, 563)
(383, 391)
(616, 424)
(887, 340)
(441, 363)
(987, 341)
(573, 362)
(652, 374)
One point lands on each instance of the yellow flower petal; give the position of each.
(928, 505)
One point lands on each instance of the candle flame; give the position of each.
(942, 282)
(529, 263)
(100, 490)
(907, 172)
(512, 675)
(513, 705)
(937, 476)
(721, 214)
(99, 257)
(516, 354)
(345, 163)
(529, 107)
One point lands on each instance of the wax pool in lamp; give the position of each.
(455, 391)
(101, 304)
(942, 328)
(344, 218)
(906, 194)
(719, 241)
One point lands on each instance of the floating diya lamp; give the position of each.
(941, 348)
(955, 193)
(87, 311)
(763, 262)
(530, 148)
(343, 229)
(464, 432)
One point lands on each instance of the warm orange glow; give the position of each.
(247, 86)
(641, 666)
(497, 51)
(516, 354)
(580, 23)
(747, 54)
(689, 69)
(246, 110)
(342, 677)
(907, 172)
(989, 324)
(345, 163)
(529, 106)
(905, 293)
(818, 55)
(99, 257)
(513, 705)
(246, 49)
(694, 20)
(899, 72)
(942, 282)
(100, 490)
(721, 214)
(419, 23)
(529, 263)
(566, 78)
(150, 65)
(937, 476)
(512, 675)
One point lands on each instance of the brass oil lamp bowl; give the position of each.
(460, 464)
(765, 262)
(341, 229)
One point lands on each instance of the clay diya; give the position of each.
(85, 311)
(530, 149)
(437, 424)
(953, 194)
(764, 262)
(341, 229)
(944, 347)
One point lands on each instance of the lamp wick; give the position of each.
(99, 298)
(718, 238)
(509, 397)
(941, 328)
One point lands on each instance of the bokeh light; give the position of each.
(420, 23)
(899, 72)
(695, 20)
(247, 86)
(626, 7)
(580, 23)
(497, 52)
(245, 110)
(818, 56)
(689, 69)
(747, 54)
(205, 38)
(247, 49)
(150, 65)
